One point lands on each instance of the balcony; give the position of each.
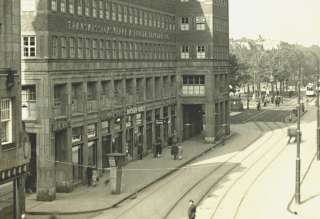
(193, 90)
(92, 106)
(29, 110)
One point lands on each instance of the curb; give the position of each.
(142, 188)
(133, 193)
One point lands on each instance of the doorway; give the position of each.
(192, 120)
(31, 180)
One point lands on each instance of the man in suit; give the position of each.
(192, 210)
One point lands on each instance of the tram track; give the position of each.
(223, 175)
(259, 159)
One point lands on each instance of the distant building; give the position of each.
(13, 151)
(102, 76)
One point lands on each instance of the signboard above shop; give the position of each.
(135, 109)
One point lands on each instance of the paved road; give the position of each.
(169, 197)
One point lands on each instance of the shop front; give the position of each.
(77, 154)
(117, 136)
(149, 129)
(106, 142)
(129, 135)
(12, 196)
(92, 145)
(165, 125)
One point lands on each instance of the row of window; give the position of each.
(104, 9)
(218, 3)
(220, 25)
(199, 23)
(72, 47)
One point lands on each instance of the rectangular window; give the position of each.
(185, 52)
(71, 47)
(120, 50)
(63, 47)
(80, 2)
(108, 50)
(88, 53)
(71, 6)
(87, 8)
(119, 13)
(184, 23)
(95, 49)
(63, 6)
(54, 5)
(114, 50)
(145, 17)
(94, 8)
(101, 8)
(201, 54)
(113, 11)
(29, 46)
(193, 85)
(101, 49)
(130, 15)
(80, 48)
(135, 16)
(141, 17)
(28, 93)
(125, 14)
(200, 23)
(107, 10)
(54, 47)
(6, 121)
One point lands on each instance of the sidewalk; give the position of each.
(310, 178)
(137, 176)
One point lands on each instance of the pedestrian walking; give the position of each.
(192, 210)
(140, 151)
(259, 106)
(89, 175)
(158, 148)
(175, 151)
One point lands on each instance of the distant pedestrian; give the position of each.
(89, 175)
(175, 151)
(259, 106)
(192, 210)
(158, 148)
(140, 151)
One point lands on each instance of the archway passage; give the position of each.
(192, 120)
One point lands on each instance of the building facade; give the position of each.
(13, 153)
(103, 76)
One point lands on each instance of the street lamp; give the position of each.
(318, 110)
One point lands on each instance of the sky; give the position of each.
(293, 21)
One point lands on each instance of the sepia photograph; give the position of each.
(159, 109)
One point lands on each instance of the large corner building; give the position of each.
(102, 76)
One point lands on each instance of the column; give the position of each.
(46, 177)
(210, 107)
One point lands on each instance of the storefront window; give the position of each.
(92, 153)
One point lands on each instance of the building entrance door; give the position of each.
(149, 136)
(192, 120)
(129, 140)
(31, 180)
(77, 162)
(106, 149)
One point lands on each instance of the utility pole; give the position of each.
(248, 97)
(298, 160)
(318, 113)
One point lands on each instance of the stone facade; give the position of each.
(106, 76)
(13, 156)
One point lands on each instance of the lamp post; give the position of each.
(318, 110)
(298, 160)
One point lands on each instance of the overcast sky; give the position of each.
(294, 21)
